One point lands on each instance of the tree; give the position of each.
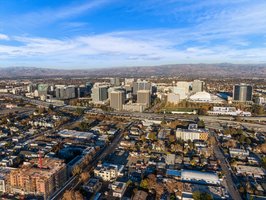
(83, 126)
(144, 184)
(172, 138)
(72, 195)
(41, 110)
(51, 107)
(248, 141)
(263, 162)
(238, 118)
(201, 124)
(152, 136)
(242, 139)
(262, 148)
(68, 195)
(212, 141)
(84, 176)
(76, 170)
(202, 111)
(197, 195)
(79, 111)
(258, 109)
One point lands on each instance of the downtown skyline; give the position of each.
(108, 33)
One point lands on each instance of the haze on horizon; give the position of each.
(107, 33)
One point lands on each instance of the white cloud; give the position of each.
(118, 48)
(3, 37)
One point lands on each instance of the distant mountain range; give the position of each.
(183, 70)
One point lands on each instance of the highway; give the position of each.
(74, 182)
(234, 193)
(261, 127)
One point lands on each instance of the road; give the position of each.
(74, 182)
(226, 169)
(213, 119)
(32, 101)
(18, 110)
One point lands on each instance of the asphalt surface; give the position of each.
(234, 193)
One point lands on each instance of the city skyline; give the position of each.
(108, 33)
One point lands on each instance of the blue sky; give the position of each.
(107, 33)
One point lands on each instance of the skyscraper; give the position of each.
(184, 85)
(144, 96)
(65, 92)
(42, 89)
(197, 86)
(99, 93)
(117, 99)
(141, 85)
(242, 93)
(115, 81)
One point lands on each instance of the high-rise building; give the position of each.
(129, 81)
(197, 86)
(42, 89)
(65, 92)
(182, 92)
(81, 91)
(88, 86)
(173, 98)
(184, 86)
(99, 93)
(41, 180)
(117, 99)
(242, 93)
(144, 97)
(128, 85)
(141, 85)
(31, 87)
(115, 81)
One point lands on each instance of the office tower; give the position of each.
(141, 85)
(31, 87)
(184, 85)
(173, 98)
(181, 92)
(144, 96)
(65, 92)
(197, 86)
(41, 180)
(88, 86)
(129, 81)
(70, 92)
(115, 81)
(242, 93)
(117, 99)
(129, 84)
(42, 89)
(99, 93)
(81, 91)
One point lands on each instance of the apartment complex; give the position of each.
(192, 133)
(42, 180)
